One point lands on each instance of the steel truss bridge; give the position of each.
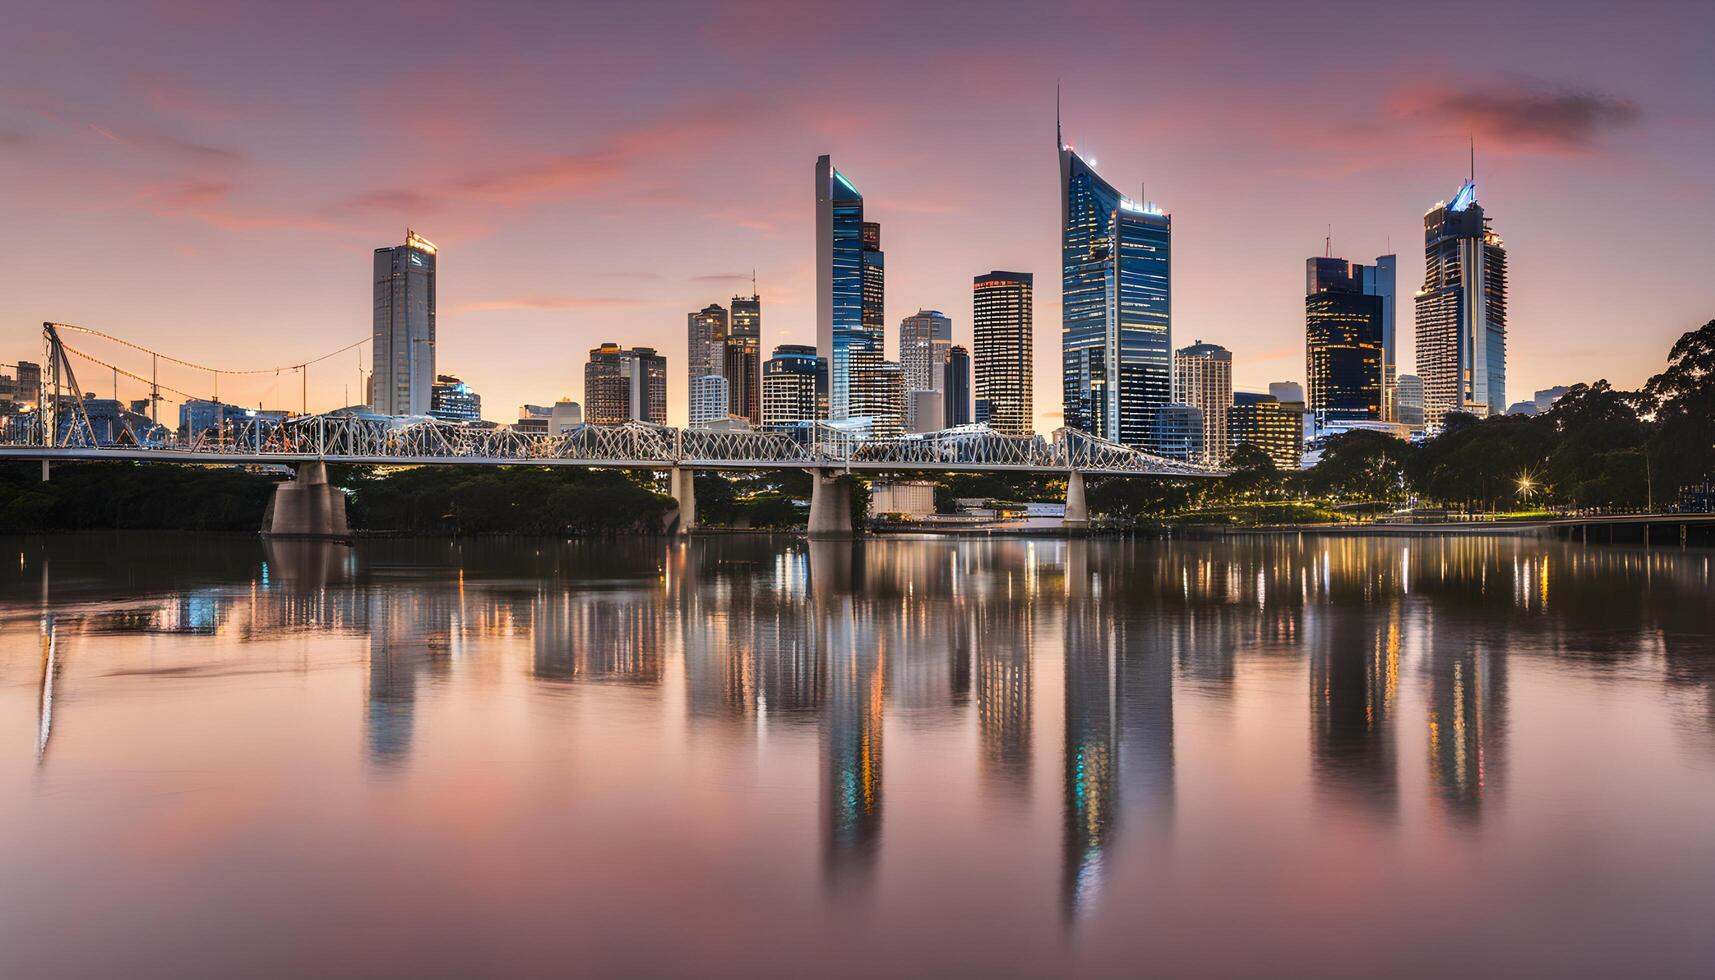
(62, 430)
(352, 438)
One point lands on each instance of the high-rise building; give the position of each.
(744, 359)
(1343, 337)
(794, 387)
(878, 394)
(849, 284)
(1203, 379)
(1408, 401)
(925, 411)
(1546, 397)
(1115, 306)
(1286, 391)
(1178, 432)
(956, 401)
(708, 396)
(924, 339)
(453, 401)
(1378, 280)
(705, 342)
(403, 353)
(1002, 324)
(625, 385)
(1265, 423)
(1462, 312)
(564, 416)
(28, 390)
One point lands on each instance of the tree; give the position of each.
(1363, 465)
(1681, 450)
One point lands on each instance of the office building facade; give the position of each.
(794, 387)
(403, 350)
(453, 401)
(956, 400)
(1116, 307)
(1002, 326)
(1462, 312)
(744, 359)
(924, 339)
(849, 284)
(1343, 340)
(878, 394)
(708, 400)
(1203, 379)
(1264, 422)
(625, 385)
(1178, 433)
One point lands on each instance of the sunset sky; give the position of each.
(211, 178)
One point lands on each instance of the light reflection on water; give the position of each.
(751, 755)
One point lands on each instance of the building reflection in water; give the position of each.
(851, 753)
(1002, 634)
(1354, 681)
(1118, 751)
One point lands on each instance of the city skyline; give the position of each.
(199, 165)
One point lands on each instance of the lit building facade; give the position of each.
(1462, 312)
(1116, 307)
(1002, 324)
(625, 385)
(924, 339)
(956, 400)
(1178, 432)
(1408, 401)
(849, 284)
(1203, 379)
(453, 401)
(744, 359)
(403, 349)
(1264, 422)
(706, 358)
(794, 387)
(878, 394)
(1343, 343)
(708, 396)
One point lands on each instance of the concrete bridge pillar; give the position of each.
(1077, 510)
(830, 505)
(683, 484)
(307, 506)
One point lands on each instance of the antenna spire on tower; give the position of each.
(1473, 158)
(1059, 141)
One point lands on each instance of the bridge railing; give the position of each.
(370, 437)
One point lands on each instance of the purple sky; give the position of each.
(210, 178)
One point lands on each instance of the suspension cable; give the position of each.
(203, 367)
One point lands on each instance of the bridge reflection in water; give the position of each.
(869, 651)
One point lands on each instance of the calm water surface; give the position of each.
(752, 756)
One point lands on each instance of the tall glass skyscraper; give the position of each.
(1344, 337)
(744, 358)
(1462, 312)
(924, 339)
(956, 404)
(849, 284)
(403, 352)
(1002, 322)
(1116, 306)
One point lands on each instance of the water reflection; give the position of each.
(1398, 654)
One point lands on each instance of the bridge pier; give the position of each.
(307, 506)
(682, 484)
(830, 505)
(1077, 509)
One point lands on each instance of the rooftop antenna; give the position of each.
(1328, 243)
(753, 282)
(1059, 141)
(1473, 158)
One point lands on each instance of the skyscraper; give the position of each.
(1408, 401)
(1178, 432)
(705, 360)
(1343, 339)
(1115, 306)
(878, 394)
(403, 353)
(956, 402)
(924, 339)
(622, 385)
(1002, 321)
(1378, 280)
(744, 358)
(1462, 312)
(794, 387)
(849, 283)
(453, 401)
(1203, 379)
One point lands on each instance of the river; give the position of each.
(751, 756)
